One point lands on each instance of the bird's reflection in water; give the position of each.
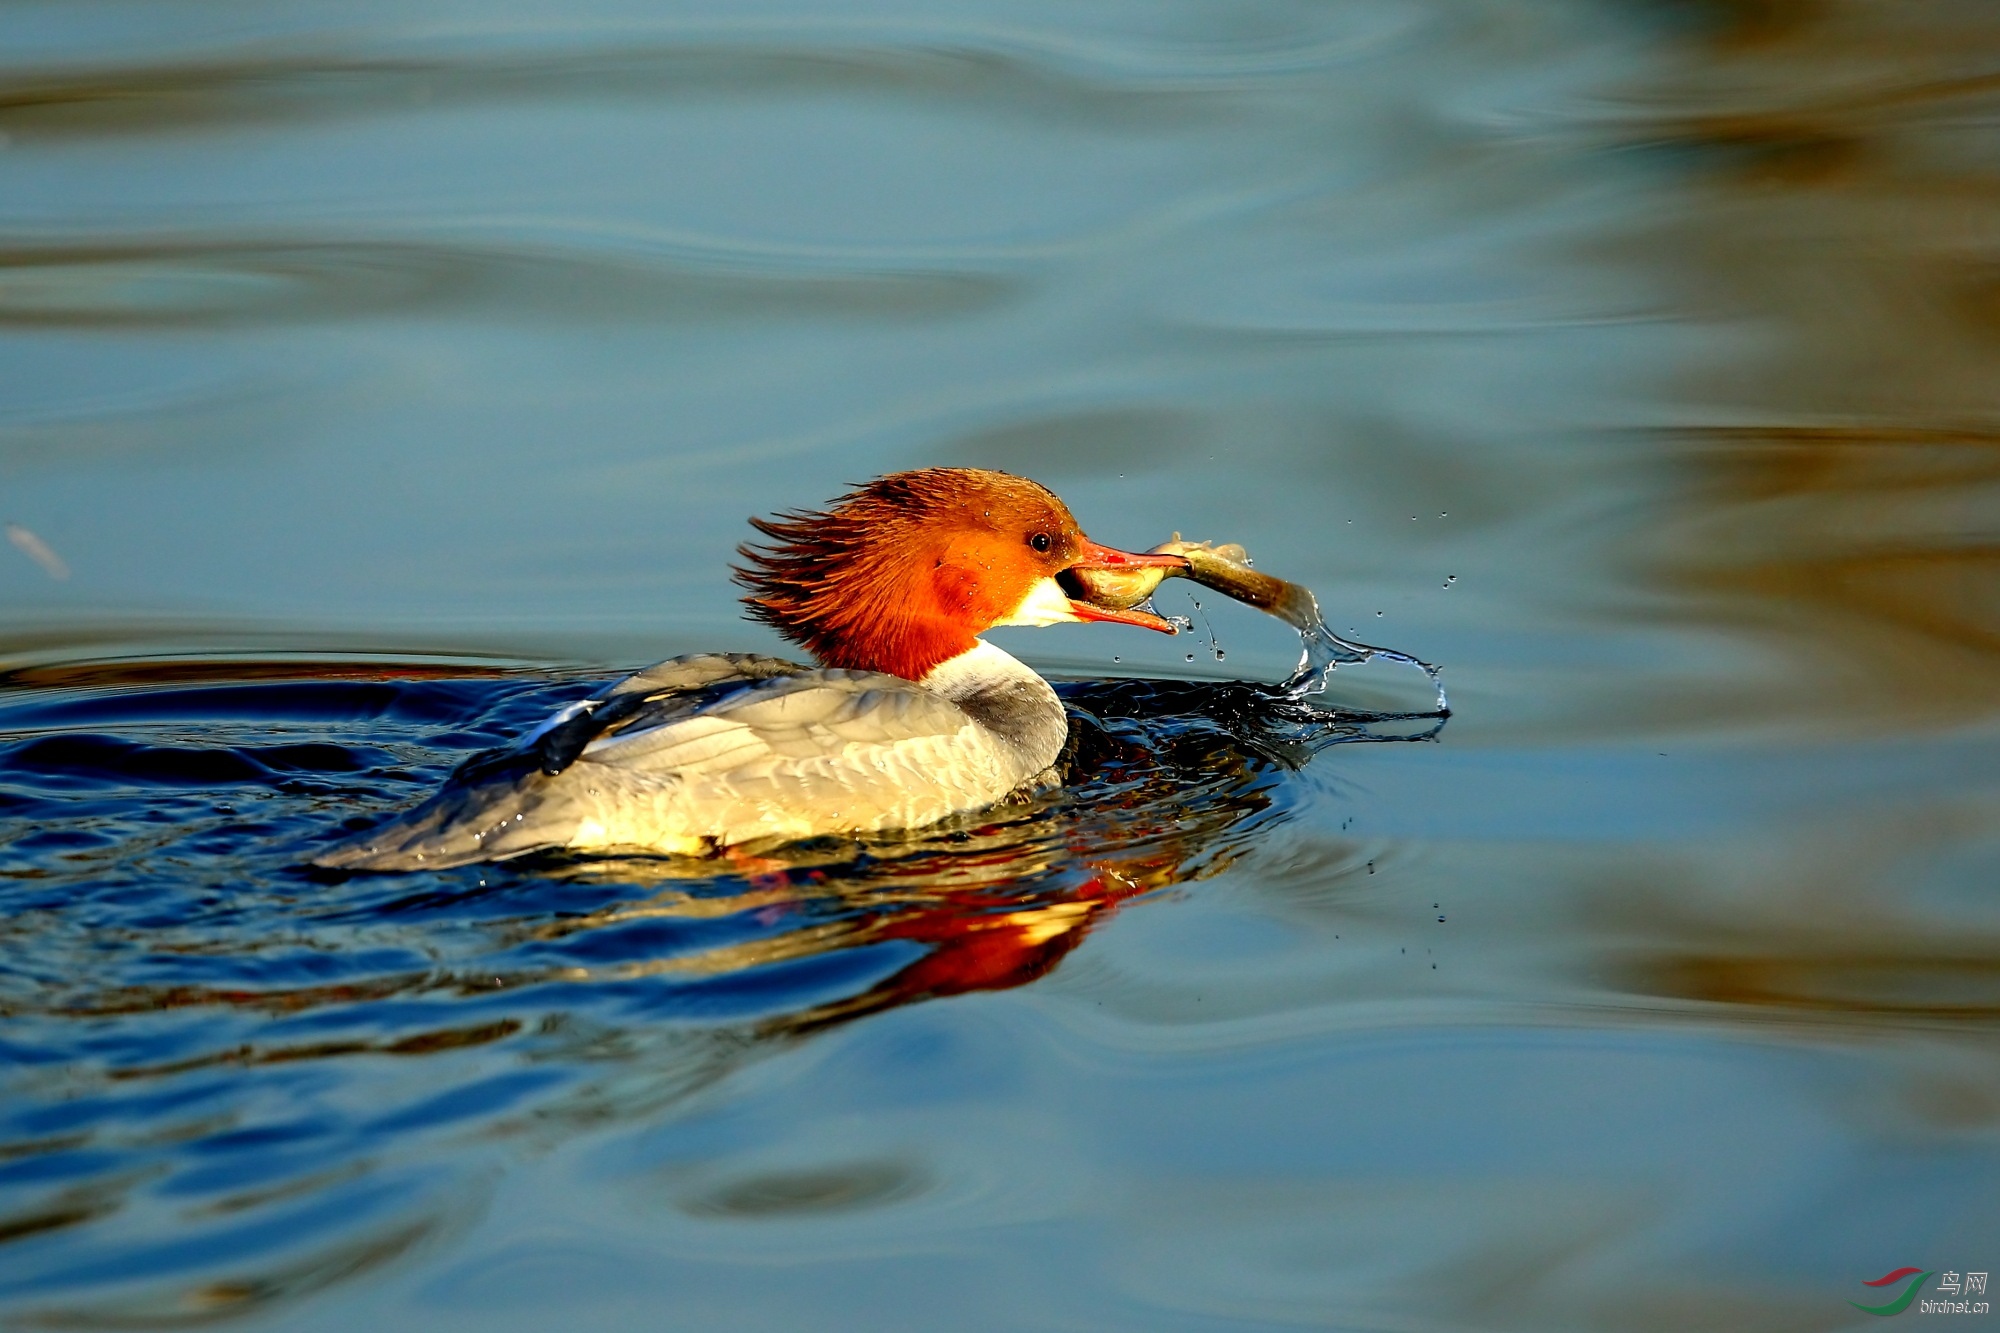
(1162, 783)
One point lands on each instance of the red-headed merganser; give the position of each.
(911, 717)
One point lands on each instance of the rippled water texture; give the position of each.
(375, 379)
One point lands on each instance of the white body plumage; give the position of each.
(719, 750)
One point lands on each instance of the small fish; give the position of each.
(1224, 567)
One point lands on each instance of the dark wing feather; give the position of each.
(659, 694)
(451, 827)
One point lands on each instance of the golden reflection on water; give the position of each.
(1845, 209)
(1955, 986)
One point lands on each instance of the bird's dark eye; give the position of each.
(1040, 541)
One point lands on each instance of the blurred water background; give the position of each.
(374, 378)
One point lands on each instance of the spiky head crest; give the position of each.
(905, 572)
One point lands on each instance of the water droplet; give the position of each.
(1440, 921)
(1218, 654)
(1117, 659)
(1378, 613)
(1190, 657)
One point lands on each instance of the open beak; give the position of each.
(1143, 619)
(1106, 566)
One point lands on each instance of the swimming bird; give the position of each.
(908, 718)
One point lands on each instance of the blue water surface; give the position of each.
(376, 379)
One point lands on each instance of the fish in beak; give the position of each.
(1107, 584)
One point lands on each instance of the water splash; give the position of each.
(1208, 627)
(1226, 569)
(1326, 652)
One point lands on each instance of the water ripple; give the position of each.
(1016, 68)
(287, 1063)
(211, 280)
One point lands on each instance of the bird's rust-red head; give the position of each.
(905, 572)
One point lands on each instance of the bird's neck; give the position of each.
(1005, 696)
